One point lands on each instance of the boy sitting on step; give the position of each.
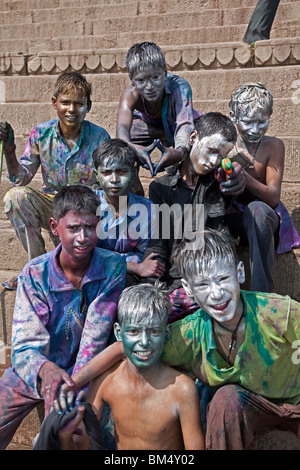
(63, 149)
(154, 406)
(156, 110)
(258, 216)
(65, 308)
(128, 220)
(243, 344)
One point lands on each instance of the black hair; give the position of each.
(76, 198)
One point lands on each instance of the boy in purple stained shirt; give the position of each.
(128, 220)
(63, 148)
(64, 312)
(156, 110)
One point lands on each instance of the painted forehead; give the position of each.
(111, 163)
(216, 142)
(144, 318)
(254, 114)
(214, 139)
(253, 109)
(214, 269)
(148, 69)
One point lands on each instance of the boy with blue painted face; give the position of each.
(154, 406)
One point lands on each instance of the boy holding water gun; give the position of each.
(258, 216)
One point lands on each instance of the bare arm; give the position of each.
(271, 190)
(9, 148)
(128, 102)
(99, 364)
(190, 417)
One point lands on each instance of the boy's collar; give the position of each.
(58, 281)
(83, 134)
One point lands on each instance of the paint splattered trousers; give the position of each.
(235, 415)
(17, 399)
(29, 211)
(257, 227)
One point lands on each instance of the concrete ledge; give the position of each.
(229, 55)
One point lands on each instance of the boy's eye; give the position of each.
(224, 278)
(154, 331)
(133, 332)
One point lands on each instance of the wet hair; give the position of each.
(75, 198)
(70, 81)
(143, 55)
(115, 151)
(253, 97)
(216, 123)
(141, 303)
(201, 252)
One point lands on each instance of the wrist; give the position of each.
(9, 150)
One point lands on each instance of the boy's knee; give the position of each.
(227, 398)
(261, 213)
(14, 197)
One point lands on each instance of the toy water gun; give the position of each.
(227, 166)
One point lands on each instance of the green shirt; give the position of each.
(263, 363)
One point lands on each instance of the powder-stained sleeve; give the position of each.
(30, 338)
(102, 313)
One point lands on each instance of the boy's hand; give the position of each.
(52, 377)
(236, 182)
(143, 155)
(7, 135)
(66, 401)
(169, 157)
(151, 267)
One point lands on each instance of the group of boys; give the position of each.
(111, 249)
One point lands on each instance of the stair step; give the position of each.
(107, 87)
(105, 114)
(68, 36)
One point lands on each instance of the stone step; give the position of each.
(142, 16)
(210, 83)
(140, 7)
(291, 169)
(14, 257)
(228, 56)
(79, 36)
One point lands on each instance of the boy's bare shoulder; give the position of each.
(130, 95)
(273, 141)
(108, 376)
(180, 381)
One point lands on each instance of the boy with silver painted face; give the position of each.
(122, 210)
(154, 406)
(258, 211)
(156, 110)
(198, 180)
